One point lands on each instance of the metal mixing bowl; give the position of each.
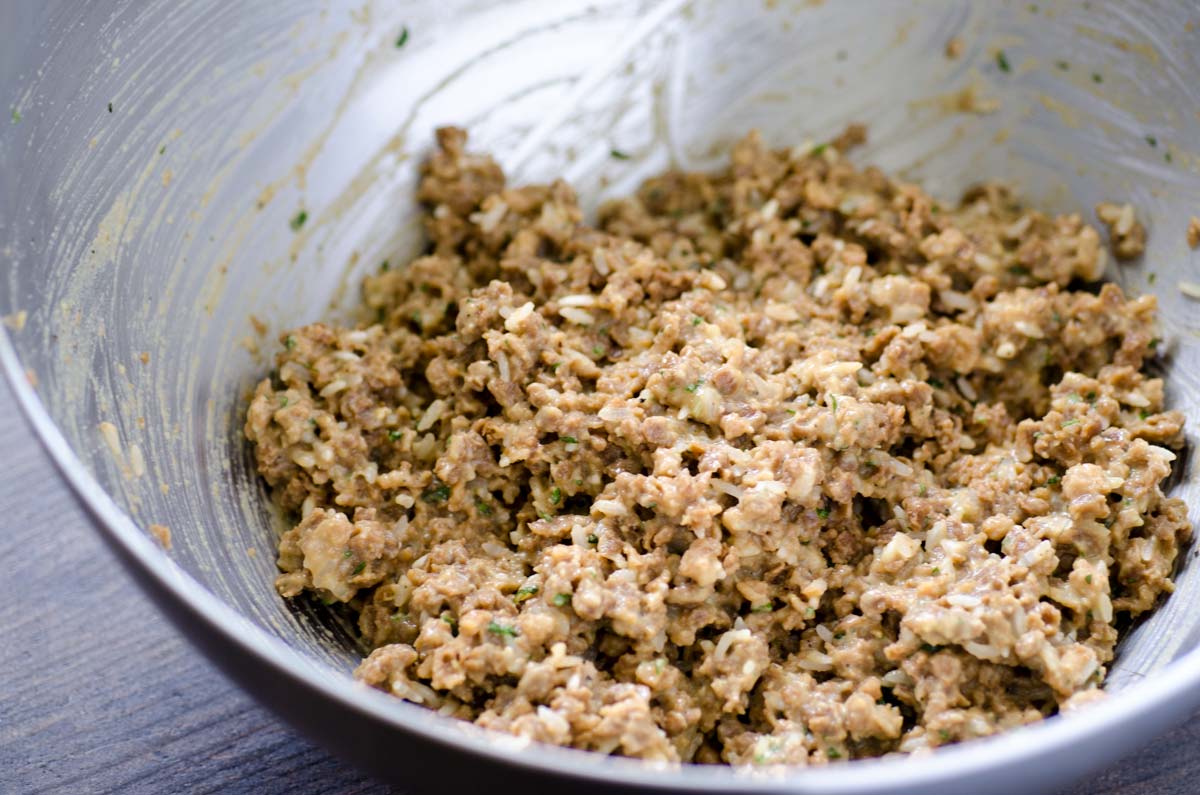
(159, 155)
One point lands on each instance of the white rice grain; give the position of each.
(577, 316)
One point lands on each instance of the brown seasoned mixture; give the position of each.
(785, 464)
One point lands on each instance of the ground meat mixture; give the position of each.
(784, 464)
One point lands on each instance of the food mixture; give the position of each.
(784, 464)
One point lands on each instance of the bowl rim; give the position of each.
(1153, 703)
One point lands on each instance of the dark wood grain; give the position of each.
(99, 694)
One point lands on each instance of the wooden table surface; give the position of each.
(98, 693)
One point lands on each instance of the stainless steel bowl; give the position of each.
(159, 153)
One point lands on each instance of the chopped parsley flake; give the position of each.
(483, 506)
(1053, 480)
(562, 599)
(525, 593)
(819, 149)
(568, 440)
(449, 619)
(1069, 423)
(394, 435)
(696, 321)
(833, 753)
(555, 495)
(360, 567)
(554, 367)
(693, 387)
(283, 401)
(384, 266)
(438, 493)
(833, 401)
(402, 39)
(617, 154)
(823, 513)
(1088, 579)
(766, 607)
(1143, 415)
(16, 115)
(347, 554)
(936, 383)
(289, 342)
(501, 629)
(110, 107)
(298, 220)
(1150, 139)
(1062, 65)
(597, 350)
(593, 539)
(936, 570)
(1097, 78)
(1002, 62)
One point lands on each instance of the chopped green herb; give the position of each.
(562, 599)
(483, 506)
(554, 367)
(1127, 501)
(1088, 579)
(347, 554)
(283, 401)
(438, 493)
(1151, 277)
(568, 440)
(525, 593)
(1150, 139)
(693, 387)
(1053, 480)
(1154, 343)
(929, 648)
(1167, 157)
(809, 612)
(384, 266)
(839, 635)
(819, 149)
(360, 567)
(833, 753)
(1091, 397)
(162, 150)
(617, 154)
(936, 570)
(1002, 62)
(16, 115)
(1019, 270)
(1062, 65)
(597, 350)
(593, 539)
(922, 490)
(1096, 78)
(395, 435)
(936, 383)
(833, 401)
(545, 517)
(696, 321)
(1069, 423)
(555, 495)
(298, 220)
(110, 108)
(449, 619)
(945, 735)
(501, 629)
(289, 342)
(1074, 398)
(402, 39)
(766, 607)
(823, 513)
(399, 616)
(578, 481)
